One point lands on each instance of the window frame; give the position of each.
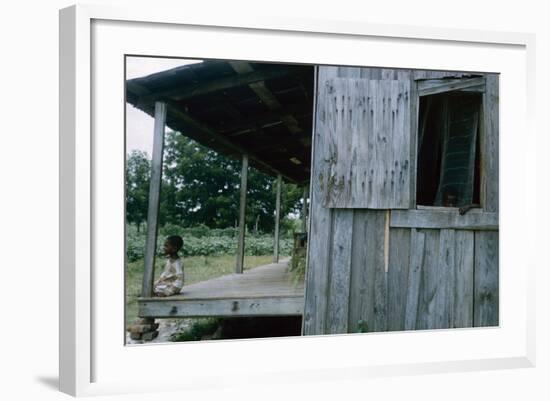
(431, 86)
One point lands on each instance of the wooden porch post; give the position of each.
(277, 218)
(242, 211)
(154, 200)
(304, 208)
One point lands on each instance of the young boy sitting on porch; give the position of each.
(170, 281)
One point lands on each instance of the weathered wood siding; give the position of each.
(437, 270)
(367, 125)
(486, 290)
(436, 278)
(489, 144)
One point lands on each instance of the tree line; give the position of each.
(201, 187)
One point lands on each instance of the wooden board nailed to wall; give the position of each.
(367, 127)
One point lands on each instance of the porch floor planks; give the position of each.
(264, 290)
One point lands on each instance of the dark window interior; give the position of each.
(448, 168)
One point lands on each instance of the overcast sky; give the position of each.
(139, 125)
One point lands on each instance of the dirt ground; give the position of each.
(167, 327)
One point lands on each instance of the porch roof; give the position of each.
(263, 110)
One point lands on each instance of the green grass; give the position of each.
(197, 268)
(199, 328)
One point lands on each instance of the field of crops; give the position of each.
(203, 241)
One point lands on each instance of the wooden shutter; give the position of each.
(366, 126)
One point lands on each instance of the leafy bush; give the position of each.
(298, 265)
(198, 329)
(203, 241)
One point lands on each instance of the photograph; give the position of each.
(275, 200)
(271, 199)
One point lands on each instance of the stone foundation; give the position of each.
(144, 329)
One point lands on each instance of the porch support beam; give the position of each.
(154, 199)
(277, 219)
(242, 213)
(304, 208)
(266, 96)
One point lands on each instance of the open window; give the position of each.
(448, 165)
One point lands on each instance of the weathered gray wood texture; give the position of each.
(489, 144)
(435, 86)
(262, 291)
(227, 307)
(486, 279)
(277, 219)
(367, 125)
(242, 214)
(473, 220)
(442, 268)
(154, 199)
(303, 214)
(317, 274)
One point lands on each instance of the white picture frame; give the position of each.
(93, 358)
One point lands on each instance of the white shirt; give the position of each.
(171, 279)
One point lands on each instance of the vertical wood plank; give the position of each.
(339, 278)
(387, 241)
(426, 315)
(380, 277)
(304, 208)
(486, 279)
(368, 291)
(242, 213)
(404, 74)
(368, 144)
(389, 73)
(400, 241)
(489, 144)
(418, 239)
(370, 114)
(464, 279)
(444, 296)
(415, 141)
(277, 219)
(402, 136)
(381, 133)
(320, 218)
(361, 275)
(154, 199)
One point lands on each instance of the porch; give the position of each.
(267, 290)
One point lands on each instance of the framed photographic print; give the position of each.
(292, 186)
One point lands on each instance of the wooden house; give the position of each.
(402, 171)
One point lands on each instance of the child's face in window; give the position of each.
(169, 248)
(450, 200)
